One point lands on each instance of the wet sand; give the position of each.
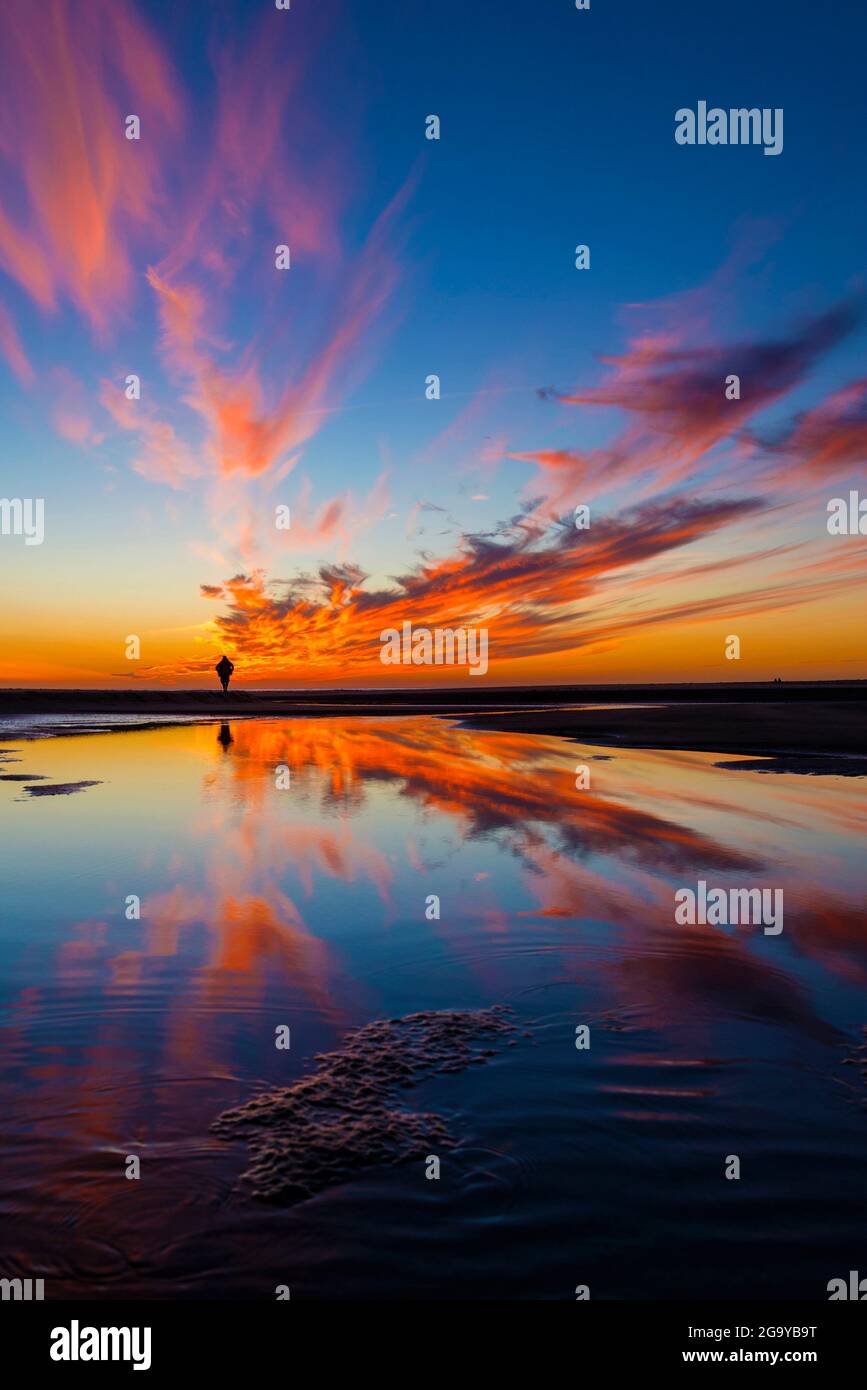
(810, 727)
(811, 736)
(308, 1166)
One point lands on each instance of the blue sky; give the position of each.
(557, 128)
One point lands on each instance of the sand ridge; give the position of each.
(345, 1118)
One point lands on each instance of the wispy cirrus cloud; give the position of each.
(195, 210)
(250, 429)
(162, 455)
(13, 349)
(674, 398)
(826, 441)
(248, 174)
(76, 192)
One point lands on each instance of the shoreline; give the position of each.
(17, 701)
(813, 737)
(804, 728)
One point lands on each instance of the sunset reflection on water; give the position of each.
(304, 905)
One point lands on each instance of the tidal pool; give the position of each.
(213, 893)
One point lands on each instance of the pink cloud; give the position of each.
(76, 187)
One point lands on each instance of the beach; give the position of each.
(325, 980)
(797, 725)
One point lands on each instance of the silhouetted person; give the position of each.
(225, 735)
(224, 669)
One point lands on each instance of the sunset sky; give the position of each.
(411, 257)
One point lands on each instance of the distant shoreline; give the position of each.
(212, 702)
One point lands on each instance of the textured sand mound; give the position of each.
(343, 1118)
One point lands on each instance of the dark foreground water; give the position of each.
(307, 906)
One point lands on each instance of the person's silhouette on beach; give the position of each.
(224, 669)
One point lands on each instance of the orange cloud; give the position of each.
(525, 586)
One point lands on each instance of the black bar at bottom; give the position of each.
(244, 1339)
